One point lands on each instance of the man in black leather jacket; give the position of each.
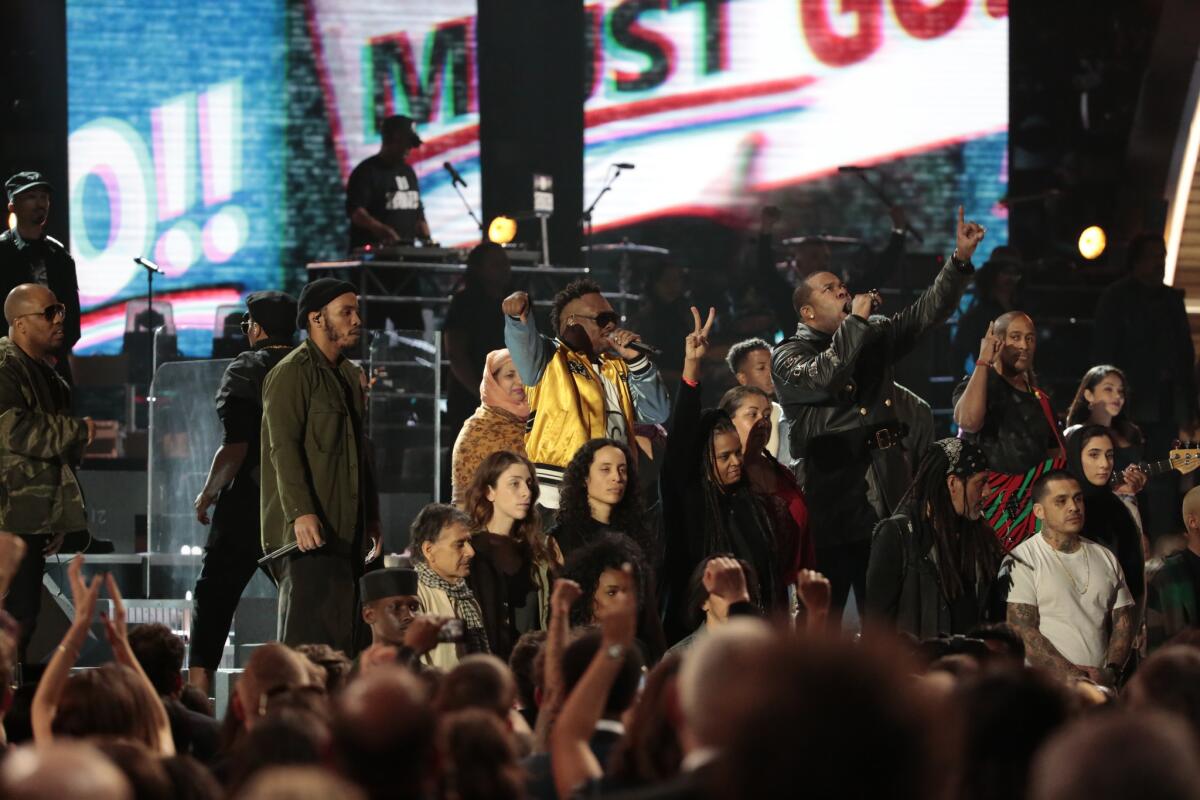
(834, 378)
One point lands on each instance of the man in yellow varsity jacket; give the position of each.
(587, 383)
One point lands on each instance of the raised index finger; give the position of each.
(696, 319)
(961, 216)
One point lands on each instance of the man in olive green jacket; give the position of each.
(40, 445)
(317, 490)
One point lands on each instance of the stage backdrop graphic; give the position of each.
(175, 120)
(177, 116)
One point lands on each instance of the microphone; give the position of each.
(455, 178)
(148, 264)
(644, 349)
(852, 168)
(876, 301)
(624, 165)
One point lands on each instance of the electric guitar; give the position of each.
(1007, 507)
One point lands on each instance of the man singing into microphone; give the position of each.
(834, 379)
(588, 383)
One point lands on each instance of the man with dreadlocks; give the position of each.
(708, 506)
(933, 564)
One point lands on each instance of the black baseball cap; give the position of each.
(23, 182)
(397, 124)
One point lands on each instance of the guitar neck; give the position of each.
(1152, 468)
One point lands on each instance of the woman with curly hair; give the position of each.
(599, 494)
(510, 575)
(598, 569)
(708, 505)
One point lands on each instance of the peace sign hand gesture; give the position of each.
(696, 344)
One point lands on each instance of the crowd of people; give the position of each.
(630, 594)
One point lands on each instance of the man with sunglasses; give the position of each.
(586, 383)
(234, 544)
(40, 445)
(29, 255)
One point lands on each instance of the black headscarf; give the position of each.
(1106, 520)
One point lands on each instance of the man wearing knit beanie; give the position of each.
(320, 510)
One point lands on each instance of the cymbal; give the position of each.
(821, 238)
(626, 247)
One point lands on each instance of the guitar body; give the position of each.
(1007, 505)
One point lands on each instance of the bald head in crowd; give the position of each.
(60, 770)
(271, 667)
(711, 686)
(1191, 517)
(25, 310)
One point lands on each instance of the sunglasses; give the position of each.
(245, 324)
(49, 313)
(603, 319)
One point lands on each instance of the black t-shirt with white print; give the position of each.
(390, 193)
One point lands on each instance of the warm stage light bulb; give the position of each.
(502, 230)
(1092, 242)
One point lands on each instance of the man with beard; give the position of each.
(933, 564)
(1068, 598)
(29, 255)
(40, 446)
(319, 504)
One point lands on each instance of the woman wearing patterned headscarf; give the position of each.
(498, 423)
(933, 565)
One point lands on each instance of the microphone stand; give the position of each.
(470, 210)
(586, 219)
(887, 201)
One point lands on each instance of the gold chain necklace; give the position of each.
(1087, 561)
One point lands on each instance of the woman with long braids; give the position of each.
(933, 564)
(598, 495)
(510, 574)
(708, 506)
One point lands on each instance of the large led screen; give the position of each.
(723, 105)
(215, 138)
(175, 153)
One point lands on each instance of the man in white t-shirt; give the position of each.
(1068, 592)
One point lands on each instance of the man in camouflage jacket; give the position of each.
(40, 445)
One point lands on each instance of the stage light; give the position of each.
(502, 230)
(1092, 242)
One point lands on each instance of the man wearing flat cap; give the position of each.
(29, 255)
(234, 540)
(318, 498)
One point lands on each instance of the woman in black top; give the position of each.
(1106, 520)
(1100, 400)
(708, 507)
(510, 574)
(599, 493)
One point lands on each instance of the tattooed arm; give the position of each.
(1121, 639)
(1038, 649)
